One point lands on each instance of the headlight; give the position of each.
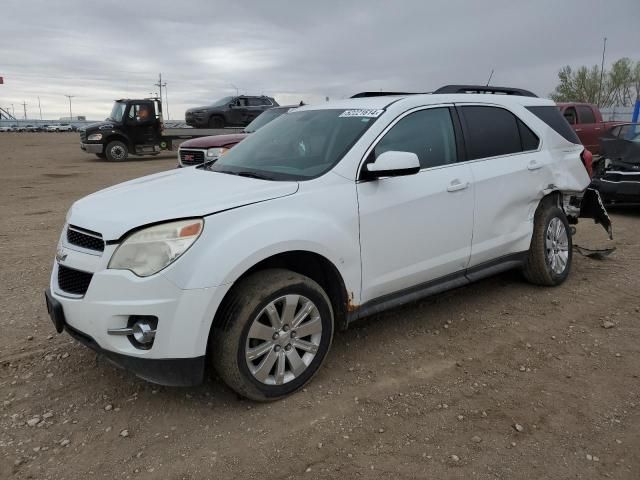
(94, 137)
(216, 152)
(148, 251)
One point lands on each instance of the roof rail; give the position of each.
(485, 89)
(380, 94)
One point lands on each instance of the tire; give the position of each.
(246, 326)
(216, 122)
(116, 151)
(551, 251)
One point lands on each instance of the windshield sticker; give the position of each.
(370, 113)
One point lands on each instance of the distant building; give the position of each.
(79, 118)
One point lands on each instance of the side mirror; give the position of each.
(394, 164)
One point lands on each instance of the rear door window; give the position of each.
(490, 132)
(585, 114)
(427, 133)
(529, 140)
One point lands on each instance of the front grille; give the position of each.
(73, 281)
(83, 136)
(619, 177)
(85, 239)
(191, 157)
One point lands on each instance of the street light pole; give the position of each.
(70, 112)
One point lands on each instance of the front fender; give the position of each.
(323, 222)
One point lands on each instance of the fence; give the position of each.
(617, 114)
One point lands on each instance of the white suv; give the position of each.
(328, 214)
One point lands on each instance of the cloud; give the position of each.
(99, 51)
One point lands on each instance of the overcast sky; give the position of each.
(293, 50)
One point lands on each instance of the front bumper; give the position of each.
(112, 297)
(92, 147)
(619, 187)
(197, 120)
(164, 371)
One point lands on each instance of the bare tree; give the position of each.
(621, 85)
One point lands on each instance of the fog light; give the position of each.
(143, 333)
(140, 330)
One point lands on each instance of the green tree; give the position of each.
(619, 86)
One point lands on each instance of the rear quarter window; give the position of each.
(552, 117)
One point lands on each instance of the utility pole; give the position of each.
(70, 112)
(166, 96)
(604, 48)
(24, 105)
(40, 108)
(160, 84)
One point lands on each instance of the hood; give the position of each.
(214, 141)
(104, 125)
(180, 193)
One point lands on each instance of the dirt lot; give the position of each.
(496, 380)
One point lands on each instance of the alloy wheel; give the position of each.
(557, 246)
(283, 339)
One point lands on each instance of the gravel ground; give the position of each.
(497, 380)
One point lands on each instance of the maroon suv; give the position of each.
(198, 150)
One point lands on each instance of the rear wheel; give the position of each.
(216, 122)
(278, 327)
(116, 151)
(550, 253)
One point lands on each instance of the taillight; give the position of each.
(587, 160)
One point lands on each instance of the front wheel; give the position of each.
(216, 122)
(550, 253)
(275, 332)
(116, 151)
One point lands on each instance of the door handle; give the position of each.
(534, 165)
(457, 185)
(578, 129)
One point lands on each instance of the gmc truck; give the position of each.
(586, 120)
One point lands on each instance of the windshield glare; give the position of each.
(117, 111)
(296, 146)
(222, 101)
(264, 118)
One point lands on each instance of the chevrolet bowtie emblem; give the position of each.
(61, 256)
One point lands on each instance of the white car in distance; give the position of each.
(327, 214)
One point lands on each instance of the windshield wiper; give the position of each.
(259, 176)
(243, 173)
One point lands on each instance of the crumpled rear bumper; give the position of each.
(592, 206)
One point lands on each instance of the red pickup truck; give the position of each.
(587, 122)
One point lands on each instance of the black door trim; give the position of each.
(439, 285)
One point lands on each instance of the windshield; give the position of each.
(222, 102)
(297, 146)
(630, 132)
(264, 118)
(117, 111)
